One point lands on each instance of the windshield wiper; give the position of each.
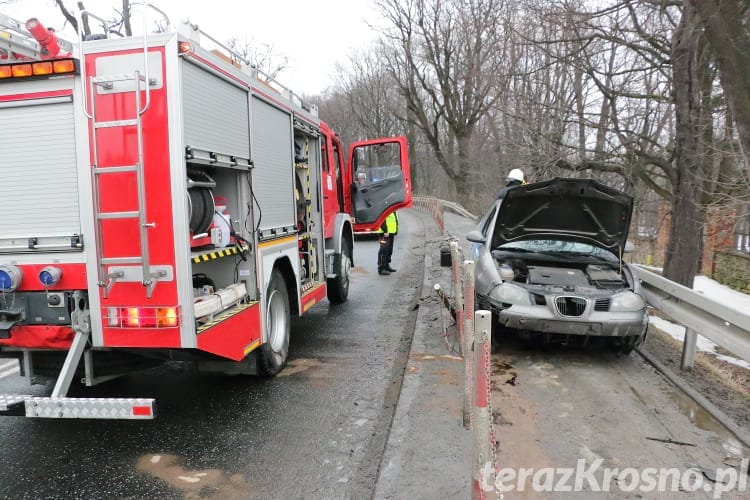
(514, 249)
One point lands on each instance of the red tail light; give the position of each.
(143, 317)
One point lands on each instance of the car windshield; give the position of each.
(560, 247)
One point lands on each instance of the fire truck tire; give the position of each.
(273, 353)
(338, 287)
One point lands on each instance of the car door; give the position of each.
(380, 182)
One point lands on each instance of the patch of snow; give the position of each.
(722, 293)
(704, 345)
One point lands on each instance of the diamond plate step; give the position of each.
(87, 408)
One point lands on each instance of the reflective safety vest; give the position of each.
(390, 225)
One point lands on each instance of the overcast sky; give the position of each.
(314, 35)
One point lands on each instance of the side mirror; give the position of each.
(475, 236)
(629, 247)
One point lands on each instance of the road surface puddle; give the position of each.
(207, 483)
(704, 420)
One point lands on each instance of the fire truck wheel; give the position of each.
(272, 355)
(338, 287)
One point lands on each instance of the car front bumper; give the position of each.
(598, 324)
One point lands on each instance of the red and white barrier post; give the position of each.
(482, 440)
(468, 322)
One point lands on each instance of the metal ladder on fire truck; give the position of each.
(149, 275)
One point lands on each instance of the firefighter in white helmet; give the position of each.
(515, 178)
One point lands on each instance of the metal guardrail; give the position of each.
(455, 207)
(701, 315)
(432, 206)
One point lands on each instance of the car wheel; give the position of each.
(273, 354)
(338, 287)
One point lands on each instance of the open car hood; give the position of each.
(565, 209)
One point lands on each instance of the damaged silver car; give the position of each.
(549, 264)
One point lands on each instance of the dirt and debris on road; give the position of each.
(725, 385)
(554, 406)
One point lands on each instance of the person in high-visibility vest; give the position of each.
(387, 231)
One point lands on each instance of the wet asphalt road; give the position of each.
(317, 430)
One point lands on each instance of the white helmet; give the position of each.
(516, 175)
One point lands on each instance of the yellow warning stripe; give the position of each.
(277, 241)
(247, 350)
(224, 315)
(312, 302)
(217, 254)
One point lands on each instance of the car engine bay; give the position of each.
(566, 274)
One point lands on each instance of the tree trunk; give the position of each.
(730, 41)
(681, 261)
(465, 178)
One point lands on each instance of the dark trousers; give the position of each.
(385, 252)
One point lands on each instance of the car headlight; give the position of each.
(626, 302)
(510, 294)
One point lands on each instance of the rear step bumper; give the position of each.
(88, 408)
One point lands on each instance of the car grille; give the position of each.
(602, 304)
(570, 306)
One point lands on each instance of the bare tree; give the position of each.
(620, 107)
(118, 23)
(261, 55)
(446, 56)
(368, 85)
(728, 32)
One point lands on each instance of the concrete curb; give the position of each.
(428, 454)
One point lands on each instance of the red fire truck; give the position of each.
(163, 201)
